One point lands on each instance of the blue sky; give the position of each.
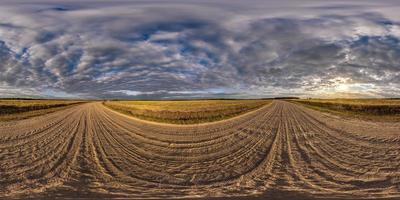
(199, 49)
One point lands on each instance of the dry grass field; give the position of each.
(282, 150)
(366, 109)
(20, 109)
(186, 112)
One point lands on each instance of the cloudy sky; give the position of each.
(195, 49)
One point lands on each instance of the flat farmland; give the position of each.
(186, 112)
(367, 109)
(20, 109)
(279, 150)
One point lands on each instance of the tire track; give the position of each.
(90, 151)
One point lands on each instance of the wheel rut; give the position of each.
(90, 151)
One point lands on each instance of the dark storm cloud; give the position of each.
(182, 49)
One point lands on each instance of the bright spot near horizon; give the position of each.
(343, 87)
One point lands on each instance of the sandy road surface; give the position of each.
(279, 150)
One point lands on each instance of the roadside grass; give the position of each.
(22, 109)
(185, 112)
(387, 110)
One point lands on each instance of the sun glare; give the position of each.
(343, 87)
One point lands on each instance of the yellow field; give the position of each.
(376, 109)
(20, 109)
(186, 112)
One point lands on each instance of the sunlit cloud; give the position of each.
(211, 49)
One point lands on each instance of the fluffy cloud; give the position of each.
(183, 49)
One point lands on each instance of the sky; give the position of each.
(167, 49)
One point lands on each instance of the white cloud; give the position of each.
(187, 48)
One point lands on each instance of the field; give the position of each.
(20, 109)
(366, 109)
(186, 112)
(283, 150)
